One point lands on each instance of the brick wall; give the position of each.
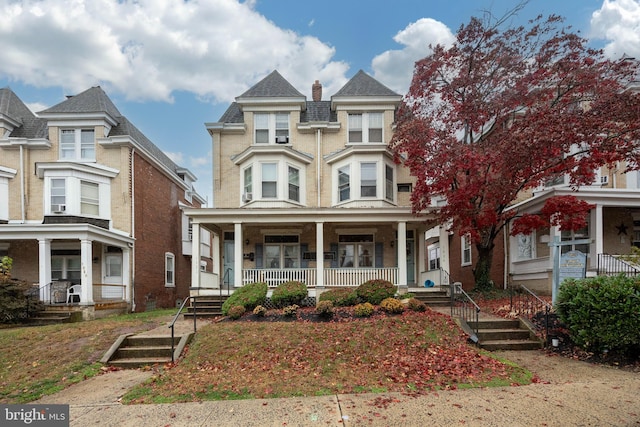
(464, 274)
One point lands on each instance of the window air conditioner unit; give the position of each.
(604, 179)
(281, 139)
(58, 209)
(247, 197)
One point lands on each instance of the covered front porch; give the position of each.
(77, 267)
(322, 248)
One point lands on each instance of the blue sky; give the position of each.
(172, 65)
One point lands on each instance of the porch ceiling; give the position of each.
(62, 231)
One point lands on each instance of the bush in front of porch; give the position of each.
(248, 296)
(374, 291)
(17, 298)
(340, 297)
(289, 293)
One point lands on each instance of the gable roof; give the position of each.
(362, 84)
(272, 86)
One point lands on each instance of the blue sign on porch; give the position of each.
(573, 265)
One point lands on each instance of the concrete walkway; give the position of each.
(569, 393)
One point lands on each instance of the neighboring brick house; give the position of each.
(309, 191)
(87, 200)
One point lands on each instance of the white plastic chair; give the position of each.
(72, 293)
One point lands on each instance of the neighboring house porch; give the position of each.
(276, 245)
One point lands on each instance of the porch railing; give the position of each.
(56, 293)
(527, 305)
(611, 265)
(332, 276)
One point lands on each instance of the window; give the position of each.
(248, 184)
(525, 246)
(294, 184)
(89, 198)
(282, 251)
(388, 183)
(271, 127)
(65, 267)
(568, 235)
(434, 258)
(356, 251)
(344, 183)
(169, 269)
(365, 127)
(269, 180)
(368, 180)
(77, 144)
(405, 188)
(58, 195)
(466, 250)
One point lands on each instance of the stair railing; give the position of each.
(175, 318)
(464, 307)
(526, 304)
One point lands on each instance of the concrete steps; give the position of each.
(134, 351)
(505, 334)
(432, 297)
(210, 306)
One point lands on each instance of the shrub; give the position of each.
(392, 305)
(248, 296)
(289, 293)
(325, 309)
(290, 310)
(340, 297)
(17, 299)
(260, 311)
(601, 313)
(364, 310)
(236, 312)
(415, 304)
(374, 291)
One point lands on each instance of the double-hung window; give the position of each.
(248, 184)
(282, 251)
(365, 127)
(344, 183)
(77, 144)
(466, 250)
(271, 128)
(356, 251)
(169, 269)
(388, 183)
(294, 184)
(89, 198)
(368, 179)
(269, 180)
(58, 195)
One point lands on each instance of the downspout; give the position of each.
(133, 233)
(22, 206)
(319, 164)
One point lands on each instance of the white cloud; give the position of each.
(395, 67)
(197, 162)
(149, 49)
(618, 22)
(175, 157)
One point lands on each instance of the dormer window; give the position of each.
(365, 128)
(271, 128)
(78, 144)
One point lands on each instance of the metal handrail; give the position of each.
(464, 307)
(527, 304)
(175, 318)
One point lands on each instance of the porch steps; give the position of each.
(209, 306)
(505, 334)
(432, 297)
(54, 315)
(134, 351)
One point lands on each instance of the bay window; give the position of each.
(89, 198)
(58, 195)
(368, 184)
(294, 184)
(344, 183)
(269, 180)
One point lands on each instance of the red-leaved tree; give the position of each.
(504, 110)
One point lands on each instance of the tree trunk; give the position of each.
(482, 270)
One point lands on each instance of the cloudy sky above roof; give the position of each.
(172, 65)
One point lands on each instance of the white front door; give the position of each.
(112, 276)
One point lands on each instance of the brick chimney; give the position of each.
(316, 91)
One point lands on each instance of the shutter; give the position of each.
(304, 263)
(379, 252)
(333, 247)
(259, 256)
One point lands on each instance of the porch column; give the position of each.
(216, 266)
(422, 251)
(195, 255)
(402, 254)
(444, 255)
(237, 253)
(86, 272)
(319, 255)
(596, 234)
(44, 272)
(126, 273)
